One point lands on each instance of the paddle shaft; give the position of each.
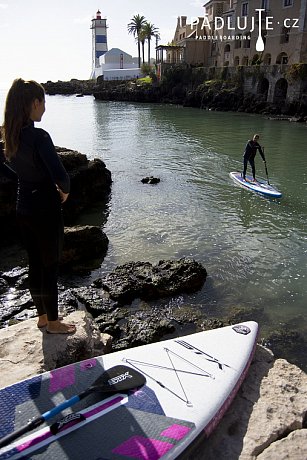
(118, 378)
(266, 169)
(43, 418)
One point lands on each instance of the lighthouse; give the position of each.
(99, 40)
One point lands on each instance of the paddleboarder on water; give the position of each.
(249, 155)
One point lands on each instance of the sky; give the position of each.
(51, 40)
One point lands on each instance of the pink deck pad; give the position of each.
(61, 378)
(65, 377)
(142, 448)
(175, 431)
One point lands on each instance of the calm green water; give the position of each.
(254, 249)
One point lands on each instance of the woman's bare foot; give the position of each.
(57, 327)
(42, 321)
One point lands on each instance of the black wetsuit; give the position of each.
(39, 213)
(249, 156)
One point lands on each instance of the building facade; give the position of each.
(247, 32)
(244, 32)
(262, 41)
(117, 65)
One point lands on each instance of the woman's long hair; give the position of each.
(17, 112)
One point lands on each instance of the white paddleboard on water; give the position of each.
(260, 186)
(190, 383)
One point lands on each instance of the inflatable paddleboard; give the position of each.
(190, 383)
(260, 186)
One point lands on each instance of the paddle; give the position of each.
(114, 380)
(266, 169)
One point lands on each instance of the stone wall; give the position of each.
(293, 76)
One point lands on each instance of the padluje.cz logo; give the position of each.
(241, 24)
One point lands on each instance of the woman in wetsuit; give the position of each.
(249, 155)
(43, 185)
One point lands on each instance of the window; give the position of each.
(219, 9)
(245, 9)
(288, 3)
(230, 21)
(238, 43)
(282, 58)
(284, 38)
(265, 4)
(219, 23)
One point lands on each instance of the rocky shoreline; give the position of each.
(84, 250)
(221, 94)
(269, 412)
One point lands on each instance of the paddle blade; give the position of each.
(118, 378)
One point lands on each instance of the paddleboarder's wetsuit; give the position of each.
(37, 168)
(249, 156)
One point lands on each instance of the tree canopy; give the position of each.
(143, 31)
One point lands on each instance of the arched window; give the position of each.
(263, 88)
(245, 60)
(280, 91)
(237, 61)
(267, 59)
(282, 58)
(256, 59)
(226, 54)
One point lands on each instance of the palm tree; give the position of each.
(150, 30)
(142, 38)
(134, 28)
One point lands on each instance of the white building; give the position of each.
(114, 64)
(117, 65)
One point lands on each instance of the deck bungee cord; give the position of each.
(139, 365)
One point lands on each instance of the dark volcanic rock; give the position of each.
(90, 182)
(14, 302)
(150, 180)
(106, 298)
(95, 301)
(16, 277)
(128, 91)
(83, 244)
(74, 86)
(142, 328)
(286, 343)
(146, 281)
